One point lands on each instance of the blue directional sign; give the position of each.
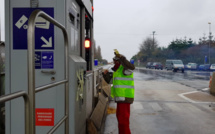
(44, 30)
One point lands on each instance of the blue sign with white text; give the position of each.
(44, 30)
(47, 60)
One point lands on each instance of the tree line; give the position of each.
(98, 55)
(185, 49)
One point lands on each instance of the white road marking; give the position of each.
(137, 106)
(156, 107)
(192, 101)
(205, 89)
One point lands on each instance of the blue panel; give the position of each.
(95, 62)
(132, 61)
(205, 59)
(44, 30)
(47, 60)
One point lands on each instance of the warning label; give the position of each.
(44, 116)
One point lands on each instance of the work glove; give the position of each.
(117, 55)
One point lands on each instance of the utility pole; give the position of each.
(210, 36)
(153, 33)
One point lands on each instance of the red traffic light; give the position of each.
(87, 43)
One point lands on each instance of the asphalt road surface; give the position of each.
(169, 103)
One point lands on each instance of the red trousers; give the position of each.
(123, 115)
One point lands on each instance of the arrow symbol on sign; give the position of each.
(48, 43)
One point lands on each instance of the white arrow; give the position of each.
(48, 43)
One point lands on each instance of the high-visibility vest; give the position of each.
(123, 85)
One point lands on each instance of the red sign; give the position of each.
(44, 116)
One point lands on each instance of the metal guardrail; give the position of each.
(31, 71)
(15, 95)
(30, 97)
(92, 88)
(98, 75)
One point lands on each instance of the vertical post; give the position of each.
(210, 36)
(31, 72)
(66, 74)
(153, 33)
(82, 27)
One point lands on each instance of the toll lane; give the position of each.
(167, 104)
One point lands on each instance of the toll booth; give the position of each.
(50, 74)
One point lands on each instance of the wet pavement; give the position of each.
(167, 103)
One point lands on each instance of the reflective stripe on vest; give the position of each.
(123, 85)
(120, 78)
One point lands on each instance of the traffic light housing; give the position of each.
(87, 45)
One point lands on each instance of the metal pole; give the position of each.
(209, 57)
(153, 33)
(31, 71)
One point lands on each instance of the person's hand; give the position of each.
(105, 71)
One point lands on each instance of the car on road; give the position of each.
(212, 67)
(149, 64)
(204, 67)
(207, 67)
(175, 65)
(157, 65)
(191, 66)
(201, 67)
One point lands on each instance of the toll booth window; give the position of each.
(77, 24)
(78, 20)
(72, 18)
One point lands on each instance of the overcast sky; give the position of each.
(2, 20)
(124, 24)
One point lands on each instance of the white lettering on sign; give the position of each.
(48, 43)
(44, 117)
(44, 113)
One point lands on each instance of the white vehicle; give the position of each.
(175, 65)
(212, 67)
(191, 66)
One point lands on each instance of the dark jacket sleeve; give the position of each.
(108, 77)
(126, 64)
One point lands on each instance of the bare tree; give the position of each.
(148, 46)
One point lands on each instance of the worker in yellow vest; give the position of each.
(122, 90)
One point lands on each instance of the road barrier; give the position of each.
(212, 84)
(210, 81)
